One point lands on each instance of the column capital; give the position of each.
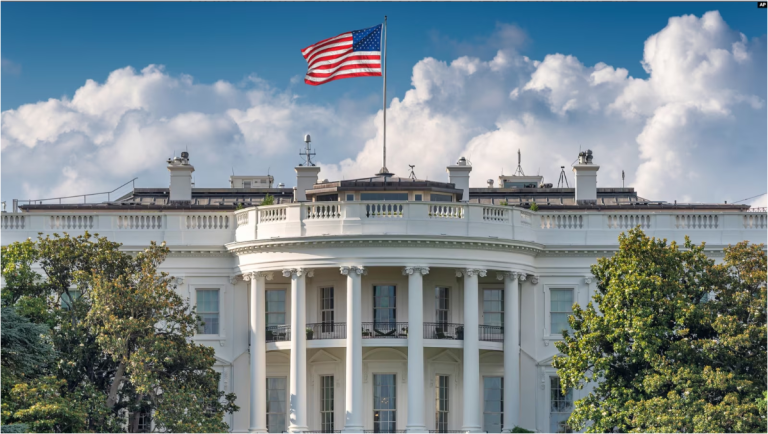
(234, 278)
(352, 270)
(471, 272)
(587, 279)
(253, 275)
(294, 273)
(534, 279)
(415, 270)
(501, 275)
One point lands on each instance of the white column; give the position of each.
(415, 421)
(298, 368)
(471, 350)
(511, 349)
(354, 379)
(258, 416)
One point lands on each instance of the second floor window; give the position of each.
(493, 307)
(275, 308)
(384, 304)
(441, 305)
(208, 311)
(561, 306)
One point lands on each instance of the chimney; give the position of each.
(306, 178)
(181, 178)
(586, 178)
(458, 175)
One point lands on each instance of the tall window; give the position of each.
(276, 404)
(441, 403)
(493, 410)
(326, 305)
(246, 184)
(208, 310)
(384, 304)
(561, 303)
(275, 308)
(145, 421)
(326, 404)
(441, 305)
(561, 406)
(493, 307)
(384, 403)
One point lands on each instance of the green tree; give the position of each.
(121, 337)
(672, 341)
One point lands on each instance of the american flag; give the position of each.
(351, 54)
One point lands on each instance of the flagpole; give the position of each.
(384, 170)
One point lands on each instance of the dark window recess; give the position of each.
(441, 198)
(350, 197)
(383, 196)
(417, 197)
(327, 198)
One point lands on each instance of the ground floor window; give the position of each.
(560, 406)
(493, 408)
(384, 403)
(276, 388)
(326, 404)
(441, 403)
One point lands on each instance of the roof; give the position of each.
(219, 199)
(383, 183)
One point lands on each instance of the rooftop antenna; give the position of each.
(622, 179)
(308, 152)
(563, 179)
(412, 175)
(233, 170)
(519, 167)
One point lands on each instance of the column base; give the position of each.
(353, 429)
(257, 430)
(298, 429)
(421, 429)
(472, 429)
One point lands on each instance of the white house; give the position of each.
(385, 304)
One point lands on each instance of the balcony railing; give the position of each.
(442, 330)
(385, 330)
(491, 333)
(327, 330)
(278, 333)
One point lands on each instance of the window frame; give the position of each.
(547, 288)
(482, 305)
(223, 294)
(285, 307)
(218, 312)
(373, 398)
(501, 400)
(447, 310)
(323, 411)
(286, 410)
(446, 409)
(373, 302)
(549, 377)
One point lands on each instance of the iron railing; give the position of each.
(448, 431)
(278, 333)
(374, 431)
(385, 330)
(443, 330)
(327, 330)
(491, 333)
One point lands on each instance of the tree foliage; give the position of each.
(119, 341)
(674, 341)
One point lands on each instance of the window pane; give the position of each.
(559, 323)
(383, 196)
(493, 409)
(276, 408)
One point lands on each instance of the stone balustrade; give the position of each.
(430, 219)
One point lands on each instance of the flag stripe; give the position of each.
(362, 55)
(309, 49)
(350, 54)
(329, 47)
(351, 63)
(359, 74)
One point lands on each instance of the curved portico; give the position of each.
(357, 267)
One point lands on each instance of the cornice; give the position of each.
(248, 247)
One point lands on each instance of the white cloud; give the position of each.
(694, 130)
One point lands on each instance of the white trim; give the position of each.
(546, 288)
(223, 312)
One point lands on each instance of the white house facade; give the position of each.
(387, 304)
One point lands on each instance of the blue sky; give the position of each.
(83, 111)
(57, 46)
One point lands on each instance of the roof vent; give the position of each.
(462, 162)
(490, 183)
(281, 185)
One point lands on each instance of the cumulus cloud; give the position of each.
(680, 134)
